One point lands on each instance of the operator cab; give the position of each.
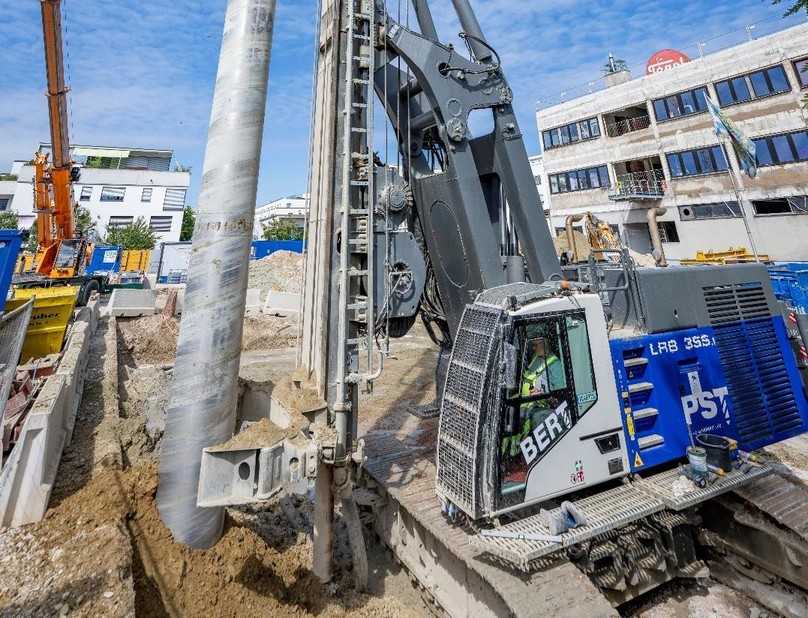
(530, 408)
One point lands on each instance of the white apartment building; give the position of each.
(649, 143)
(290, 209)
(537, 166)
(116, 185)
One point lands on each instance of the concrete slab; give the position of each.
(281, 303)
(132, 303)
(254, 299)
(27, 478)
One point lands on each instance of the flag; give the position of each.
(743, 146)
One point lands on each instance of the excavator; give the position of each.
(62, 253)
(638, 395)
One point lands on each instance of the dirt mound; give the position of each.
(281, 272)
(150, 339)
(266, 332)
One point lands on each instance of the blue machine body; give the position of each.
(105, 260)
(790, 284)
(738, 380)
(10, 243)
(262, 248)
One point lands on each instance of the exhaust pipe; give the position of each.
(656, 239)
(571, 235)
(202, 408)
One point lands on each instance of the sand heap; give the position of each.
(280, 272)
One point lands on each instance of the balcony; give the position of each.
(627, 120)
(640, 186)
(627, 125)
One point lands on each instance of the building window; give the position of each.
(116, 222)
(668, 231)
(160, 224)
(146, 194)
(792, 205)
(697, 162)
(4, 203)
(763, 83)
(86, 194)
(801, 68)
(113, 194)
(174, 200)
(714, 210)
(571, 133)
(781, 149)
(684, 103)
(580, 180)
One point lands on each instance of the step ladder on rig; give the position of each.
(355, 190)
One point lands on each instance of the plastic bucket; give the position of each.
(719, 450)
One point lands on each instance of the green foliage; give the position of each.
(9, 220)
(188, 222)
(136, 235)
(282, 230)
(32, 243)
(85, 225)
(795, 8)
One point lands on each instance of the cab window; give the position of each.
(555, 385)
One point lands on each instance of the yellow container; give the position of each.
(53, 308)
(135, 260)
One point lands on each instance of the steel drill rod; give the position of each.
(202, 408)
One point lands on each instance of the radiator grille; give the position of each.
(459, 431)
(752, 360)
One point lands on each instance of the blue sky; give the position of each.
(142, 71)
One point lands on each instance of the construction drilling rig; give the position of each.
(588, 383)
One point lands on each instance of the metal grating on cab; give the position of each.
(459, 430)
(753, 363)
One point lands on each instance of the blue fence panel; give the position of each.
(105, 260)
(262, 248)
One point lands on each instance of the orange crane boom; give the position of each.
(54, 202)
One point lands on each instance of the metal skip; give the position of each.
(202, 407)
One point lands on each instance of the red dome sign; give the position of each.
(665, 59)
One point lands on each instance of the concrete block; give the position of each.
(132, 303)
(253, 299)
(27, 478)
(281, 303)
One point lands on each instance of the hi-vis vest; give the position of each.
(535, 371)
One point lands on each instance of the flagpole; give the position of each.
(738, 198)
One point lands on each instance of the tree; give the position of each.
(188, 222)
(136, 235)
(85, 225)
(795, 8)
(9, 220)
(33, 242)
(282, 230)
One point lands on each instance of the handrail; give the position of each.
(629, 125)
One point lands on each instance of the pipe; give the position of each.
(425, 21)
(571, 235)
(204, 393)
(656, 239)
(470, 25)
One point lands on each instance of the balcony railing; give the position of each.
(640, 186)
(629, 125)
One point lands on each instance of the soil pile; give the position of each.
(150, 339)
(280, 272)
(267, 332)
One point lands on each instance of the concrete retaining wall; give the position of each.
(26, 479)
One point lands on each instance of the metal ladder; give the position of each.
(357, 320)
